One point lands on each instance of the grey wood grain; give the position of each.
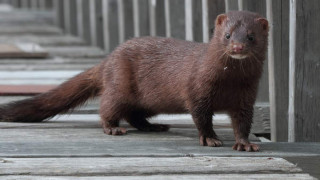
(30, 29)
(291, 176)
(307, 74)
(57, 40)
(76, 51)
(143, 165)
(177, 19)
(161, 146)
(281, 31)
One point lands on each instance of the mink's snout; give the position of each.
(237, 47)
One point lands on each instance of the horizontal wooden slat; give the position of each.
(35, 77)
(22, 50)
(30, 29)
(57, 40)
(173, 177)
(143, 166)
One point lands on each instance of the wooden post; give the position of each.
(42, 4)
(136, 18)
(205, 21)
(240, 5)
(189, 20)
(292, 62)
(34, 4)
(66, 13)
(105, 22)
(226, 2)
(59, 10)
(152, 15)
(79, 10)
(25, 4)
(167, 17)
(93, 23)
(121, 24)
(271, 74)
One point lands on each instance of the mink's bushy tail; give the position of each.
(65, 97)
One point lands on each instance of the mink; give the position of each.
(147, 76)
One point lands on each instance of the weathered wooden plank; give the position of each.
(73, 17)
(215, 8)
(128, 19)
(111, 35)
(66, 16)
(281, 50)
(27, 29)
(76, 120)
(58, 40)
(271, 73)
(152, 19)
(177, 142)
(160, 18)
(205, 21)
(49, 61)
(79, 10)
(144, 166)
(99, 24)
(93, 23)
(22, 50)
(86, 21)
(306, 73)
(197, 21)
(188, 20)
(77, 51)
(292, 176)
(177, 16)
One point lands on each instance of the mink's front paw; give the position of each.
(212, 142)
(249, 147)
(114, 131)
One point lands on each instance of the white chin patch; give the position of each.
(238, 56)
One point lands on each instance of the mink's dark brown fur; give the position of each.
(151, 75)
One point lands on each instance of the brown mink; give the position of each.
(151, 75)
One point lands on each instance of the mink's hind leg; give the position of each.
(138, 120)
(110, 113)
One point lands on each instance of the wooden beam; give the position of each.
(292, 64)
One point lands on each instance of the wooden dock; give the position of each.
(74, 146)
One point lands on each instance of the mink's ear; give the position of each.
(220, 19)
(264, 23)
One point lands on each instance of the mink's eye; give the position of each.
(228, 36)
(251, 37)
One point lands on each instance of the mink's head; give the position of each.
(241, 34)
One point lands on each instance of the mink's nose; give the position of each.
(237, 47)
